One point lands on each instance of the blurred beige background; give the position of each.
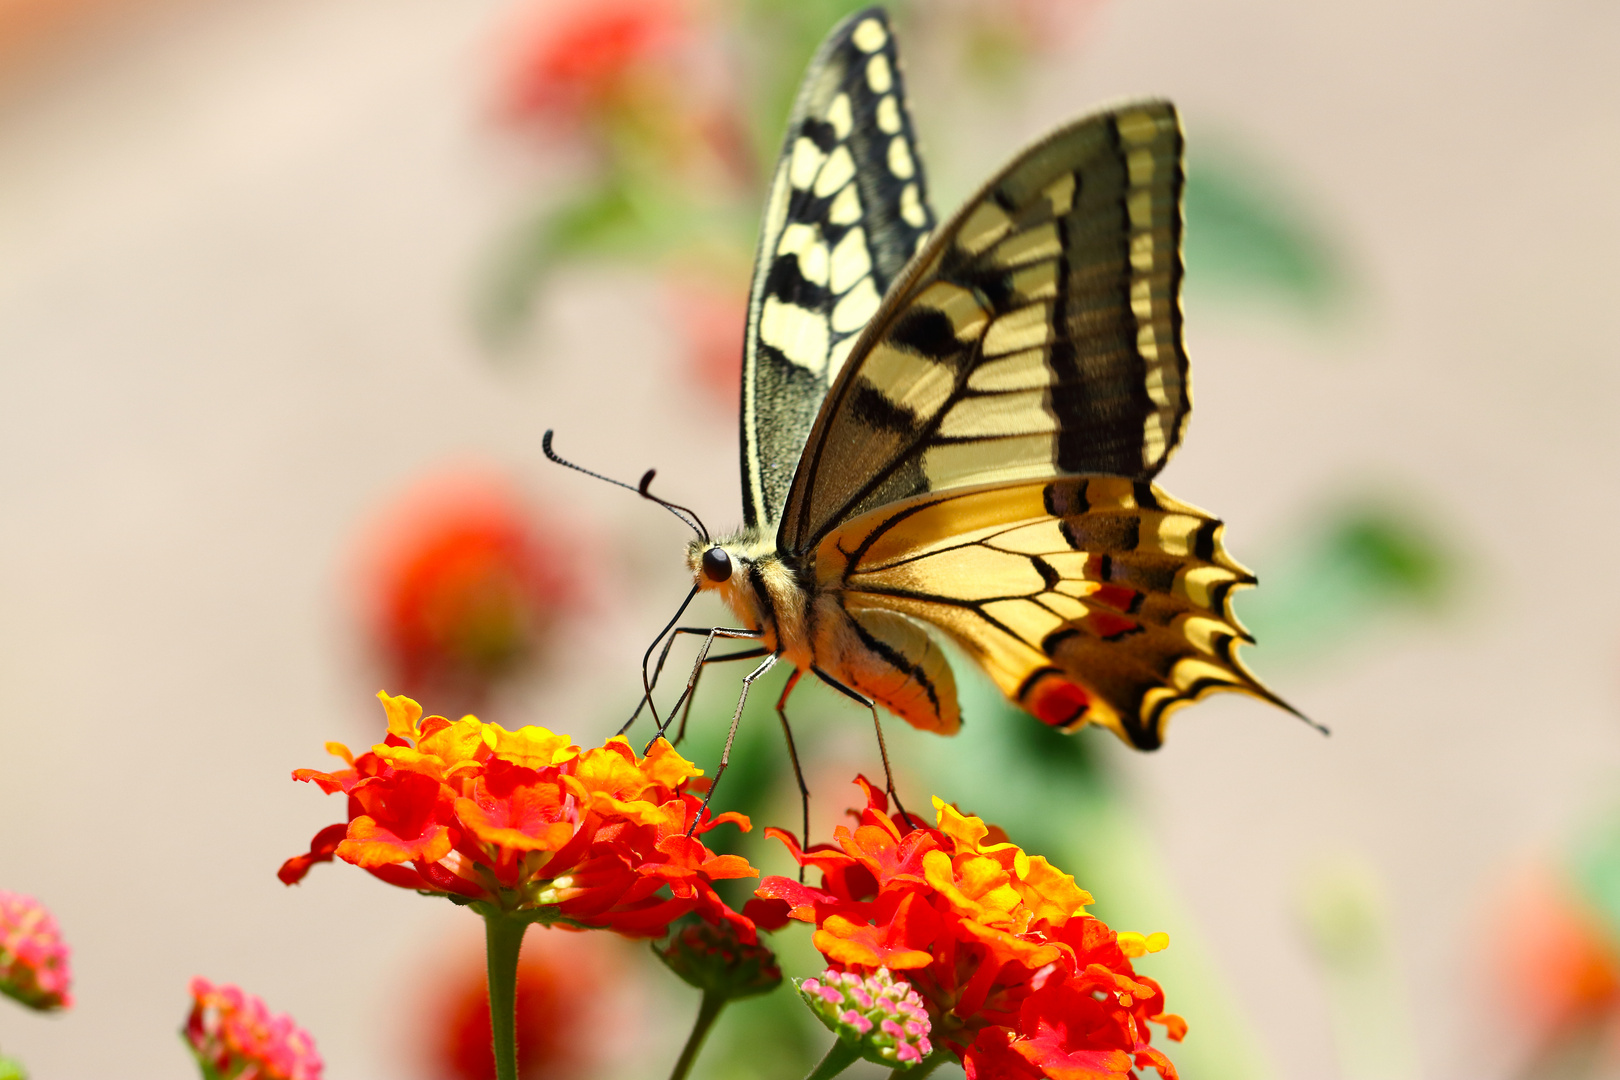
(237, 242)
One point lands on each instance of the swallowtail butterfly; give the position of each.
(954, 429)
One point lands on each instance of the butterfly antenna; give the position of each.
(688, 518)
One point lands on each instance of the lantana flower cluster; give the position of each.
(885, 1017)
(1019, 981)
(235, 1037)
(33, 957)
(526, 822)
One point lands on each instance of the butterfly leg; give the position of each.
(646, 697)
(697, 669)
(793, 756)
(731, 735)
(686, 714)
(877, 725)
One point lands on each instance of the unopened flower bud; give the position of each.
(715, 960)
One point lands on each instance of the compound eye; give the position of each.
(716, 565)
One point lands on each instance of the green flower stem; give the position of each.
(928, 1065)
(839, 1057)
(708, 1013)
(503, 940)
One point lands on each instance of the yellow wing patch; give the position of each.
(1088, 599)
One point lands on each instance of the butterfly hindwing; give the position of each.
(848, 207)
(1037, 335)
(1087, 600)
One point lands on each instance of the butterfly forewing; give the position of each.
(1038, 334)
(848, 207)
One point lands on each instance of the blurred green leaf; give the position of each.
(1248, 237)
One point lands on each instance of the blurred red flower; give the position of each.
(464, 587)
(562, 981)
(1017, 978)
(234, 1037)
(33, 957)
(579, 63)
(524, 821)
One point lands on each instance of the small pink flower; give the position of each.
(234, 1037)
(860, 1011)
(33, 959)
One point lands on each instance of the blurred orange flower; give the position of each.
(524, 821)
(33, 957)
(1560, 964)
(1017, 978)
(464, 588)
(234, 1037)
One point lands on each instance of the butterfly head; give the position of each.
(725, 565)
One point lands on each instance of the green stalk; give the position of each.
(503, 940)
(708, 1013)
(926, 1066)
(840, 1056)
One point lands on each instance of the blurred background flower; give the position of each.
(33, 956)
(464, 586)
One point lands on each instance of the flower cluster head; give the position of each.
(886, 1018)
(524, 821)
(33, 959)
(1018, 980)
(717, 961)
(234, 1037)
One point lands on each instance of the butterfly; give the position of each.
(952, 430)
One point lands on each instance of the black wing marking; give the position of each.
(848, 208)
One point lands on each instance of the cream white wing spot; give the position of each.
(856, 308)
(805, 163)
(1025, 370)
(983, 227)
(850, 260)
(846, 207)
(1031, 245)
(888, 115)
(841, 116)
(900, 163)
(838, 171)
(1060, 193)
(799, 334)
(804, 242)
(1027, 328)
(1139, 165)
(908, 379)
(911, 209)
(968, 318)
(840, 354)
(1000, 414)
(1038, 282)
(870, 36)
(879, 76)
(1142, 253)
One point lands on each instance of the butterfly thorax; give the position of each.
(764, 589)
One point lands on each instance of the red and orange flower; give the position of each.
(525, 822)
(1018, 980)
